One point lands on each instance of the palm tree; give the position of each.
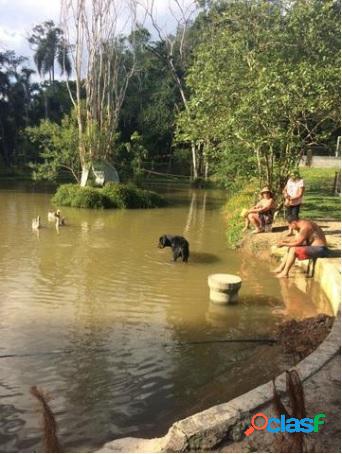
(50, 46)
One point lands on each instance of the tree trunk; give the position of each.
(194, 160)
(206, 169)
(206, 160)
(46, 108)
(257, 152)
(85, 175)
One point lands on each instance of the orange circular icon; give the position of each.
(259, 415)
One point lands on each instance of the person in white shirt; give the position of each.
(293, 194)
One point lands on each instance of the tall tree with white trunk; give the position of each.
(103, 62)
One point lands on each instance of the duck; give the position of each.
(51, 216)
(59, 221)
(36, 223)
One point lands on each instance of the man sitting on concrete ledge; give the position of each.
(309, 243)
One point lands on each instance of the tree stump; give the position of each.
(224, 288)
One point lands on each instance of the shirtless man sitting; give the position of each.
(310, 242)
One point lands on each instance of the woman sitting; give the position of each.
(262, 213)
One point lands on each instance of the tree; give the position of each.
(151, 101)
(56, 96)
(15, 104)
(58, 148)
(104, 63)
(263, 84)
(50, 47)
(174, 51)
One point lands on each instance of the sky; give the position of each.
(18, 17)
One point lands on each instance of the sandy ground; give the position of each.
(260, 244)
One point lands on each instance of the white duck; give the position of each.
(36, 223)
(51, 216)
(59, 221)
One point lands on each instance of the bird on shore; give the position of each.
(36, 225)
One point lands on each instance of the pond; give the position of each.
(123, 339)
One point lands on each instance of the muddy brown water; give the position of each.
(101, 319)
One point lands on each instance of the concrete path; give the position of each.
(322, 395)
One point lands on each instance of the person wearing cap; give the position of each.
(262, 213)
(293, 194)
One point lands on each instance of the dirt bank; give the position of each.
(260, 245)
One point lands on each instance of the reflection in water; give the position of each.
(294, 294)
(121, 320)
(221, 316)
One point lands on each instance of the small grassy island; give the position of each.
(112, 195)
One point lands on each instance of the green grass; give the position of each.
(318, 180)
(319, 200)
(243, 199)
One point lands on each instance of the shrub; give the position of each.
(110, 196)
(130, 196)
(65, 194)
(73, 195)
(122, 195)
(151, 199)
(89, 198)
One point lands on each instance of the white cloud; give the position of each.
(18, 17)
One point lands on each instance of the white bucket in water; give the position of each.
(224, 288)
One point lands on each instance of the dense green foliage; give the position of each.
(264, 87)
(57, 144)
(23, 104)
(110, 196)
(255, 86)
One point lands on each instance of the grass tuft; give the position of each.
(110, 196)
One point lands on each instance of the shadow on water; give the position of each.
(203, 257)
(259, 300)
(26, 186)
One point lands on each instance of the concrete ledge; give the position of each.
(205, 430)
(228, 421)
(327, 273)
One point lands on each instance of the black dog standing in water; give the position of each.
(179, 245)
